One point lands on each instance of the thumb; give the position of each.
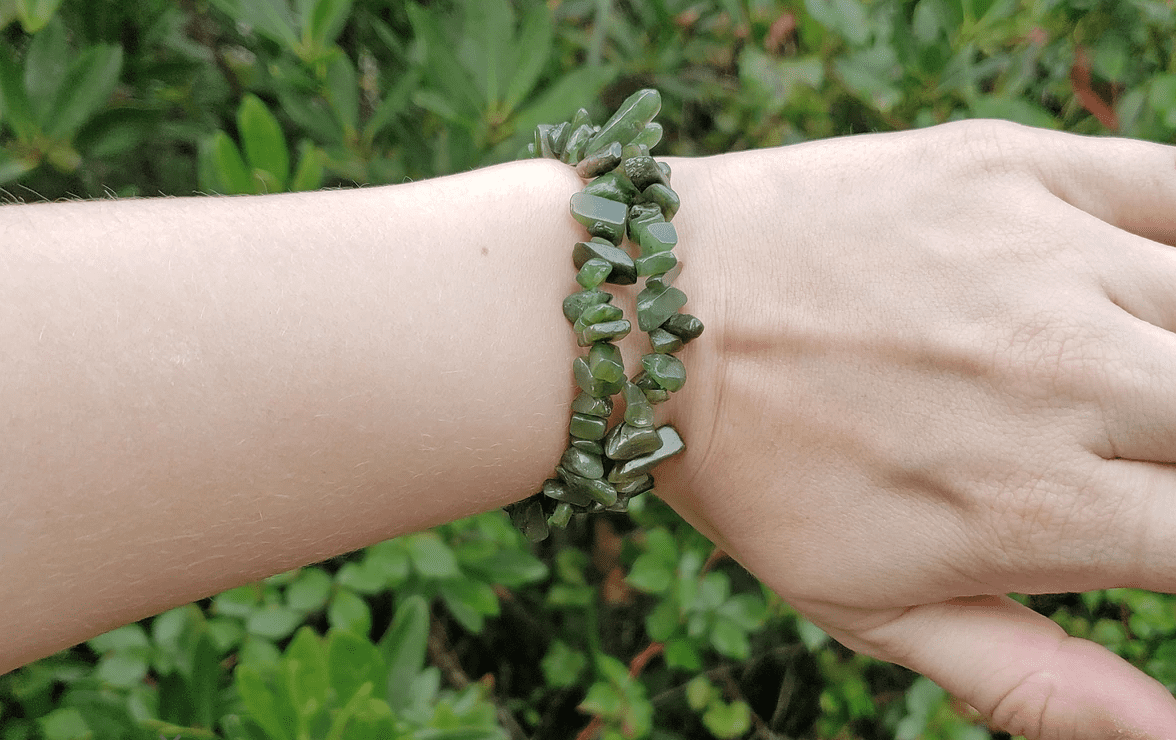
(1023, 671)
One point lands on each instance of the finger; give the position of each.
(1127, 183)
(1022, 671)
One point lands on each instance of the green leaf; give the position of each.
(436, 51)
(713, 590)
(532, 51)
(87, 87)
(699, 692)
(348, 611)
(222, 168)
(486, 48)
(263, 140)
(1162, 97)
(270, 18)
(264, 706)
(663, 621)
(730, 639)
(728, 720)
(1012, 109)
(35, 14)
(846, 18)
(430, 556)
(748, 611)
(310, 591)
(45, 66)
(395, 102)
(342, 93)
(12, 168)
(327, 22)
(562, 666)
(124, 638)
(305, 674)
(562, 99)
(364, 576)
(65, 723)
(14, 103)
(603, 699)
(391, 556)
(813, 637)
(476, 595)
(650, 574)
(404, 646)
(511, 568)
(273, 622)
(122, 669)
(353, 661)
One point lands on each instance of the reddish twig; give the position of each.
(1084, 92)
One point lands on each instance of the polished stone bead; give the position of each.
(665, 370)
(643, 173)
(658, 263)
(655, 305)
(656, 395)
(601, 492)
(574, 150)
(665, 198)
(631, 487)
(664, 280)
(582, 463)
(638, 410)
(560, 517)
(582, 118)
(527, 516)
(613, 186)
(593, 272)
(574, 305)
(599, 313)
(683, 325)
(621, 506)
(645, 383)
(602, 217)
(664, 342)
(656, 236)
(600, 162)
(671, 444)
(583, 426)
(649, 136)
(592, 446)
(626, 441)
(559, 137)
(605, 361)
(623, 272)
(543, 141)
(666, 172)
(638, 110)
(634, 150)
(557, 490)
(606, 330)
(591, 384)
(592, 406)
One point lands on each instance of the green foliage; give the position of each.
(441, 635)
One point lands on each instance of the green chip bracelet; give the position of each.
(628, 196)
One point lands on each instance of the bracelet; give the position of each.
(628, 194)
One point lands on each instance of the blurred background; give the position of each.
(624, 627)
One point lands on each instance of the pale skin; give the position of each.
(939, 367)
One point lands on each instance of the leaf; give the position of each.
(273, 622)
(663, 621)
(511, 568)
(562, 665)
(486, 48)
(430, 556)
(532, 51)
(391, 557)
(348, 611)
(562, 99)
(327, 22)
(364, 576)
(12, 168)
(395, 102)
(122, 669)
(116, 130)
(205, 683)
(476, 595)
(264, 707)
(270, 18)
(1012, 109)
(352, 661)
(124, 638)
(305, 674)
(729, 639)
(603, 699)
(35, 14)
(65, 723)
(87, 87)
(223, 171)
(846, 18)
(746, 610)
(310, 591)
(447, 74)
(14, 103)
(404, 646)
(728, 720)
(650, 574)
(45, 66)
(342, 93)
(263, 140)
(699, 692)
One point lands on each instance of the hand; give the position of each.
(939, 368)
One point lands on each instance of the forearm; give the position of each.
(200, 392)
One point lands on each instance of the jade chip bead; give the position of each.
(664, 280)
(600, 491)
(574, 150)
(665, 198)
(527, 516)
(575, 304)
(591, 446)
(656, 395)
(560, 517)
(602, 217)
(582, 463)
(602, 161)
(638, 410)
(643, 172)
(606, 364)
(624, 271)
(593, 272)
(683, 325)
(592, 406)
(633, 486)
(613, 186)
(559, 137)
(664, 342)
(543, 141)
(665, 370)
(671, 444)
(655, 237)
(649, 136)
(591, 428)
(626, 441)
(657, 263)
(604, 331)
(591, 384)
(637, 112)
(557, 490)
(656, 304)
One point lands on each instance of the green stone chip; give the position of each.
(626, 441)
(643, 172)
(577, 141)
(656, 264)
(543, 141)
(638, 409)
(591, 384)
(600, 162)
(582, 463)
(574, 305)
(624, 271)
(606, 364)
(587, 427)
(555, 488)
(655, 237)
(636, 485)
(665, 198)
(671, 444)
(613, 186)
(559, 137)
(527, 516)
(666, 370)
(601, 492)
(592, 446)
(604, 331)
(649, 136)
(683, 325)
(561, 516)
(593, 272)
(638, 110)
(664, 342)
(592, 406)
(655, 305)
(602, 217)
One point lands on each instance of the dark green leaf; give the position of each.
(65, 723)
(532, 51)
(364, 576)
(227, 173)
(15, 109)
(650, 574)
(342, 93)
(510, 567)
(663, 621)
(562, 99)
(263, 140)
(265, 706)
(11, 168)
(603, 699)
(45, 66)
(746, 610)
(486, 47)
(86, 89)
(430, 556)
(35, 14)
(353, 661)
(403, 647)
(562, 666)
(328, 20)
(730, 639)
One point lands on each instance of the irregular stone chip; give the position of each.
(666, 172)
(638, 110)
(591, 384)
(671, 444)
(528, 517)
(574, 305)
(665, 198)
(592, 406)
(582, 463)
(684, 325)
(655, 237)
(593, 272)
(649, 136)
(556, 489)
(624, 271)
(584, 426)
(666, 279)
(596, 314)
(582, 118)
(657, 263)
(664, 342)
(604, 331)
(631, 487)
(643, 173)
(634, 150)
(602, 217)
(601, 492)
(600, 162)
(656, 395)
(559, 138)
(577, 141)
(655, 305)
(626, 441)
(560, 517)
(638, 409)
(605, 361)
(613, 186)
(587, 445)
(543, 141)
(665, 370)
